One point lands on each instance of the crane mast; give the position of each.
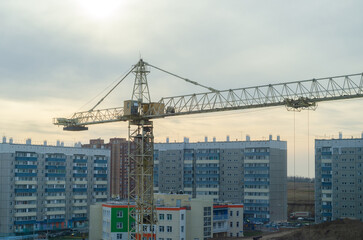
(140, 159)
(139, 111)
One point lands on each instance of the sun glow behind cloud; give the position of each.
(100, 10)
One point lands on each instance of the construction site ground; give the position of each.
(300, 197)
(345, 229)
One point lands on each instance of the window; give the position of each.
(119, 236)
(169, 217)
(231, 224)
(237, 224)
(119, 225)
(231, 213)
(161, 228)
(120, 214)
(169, 229)
(182, 217)
(207, 211)
(161, 216)
(182, 228)
(237, 213)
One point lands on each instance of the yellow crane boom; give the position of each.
(139, 111)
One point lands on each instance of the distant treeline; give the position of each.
(300, 179)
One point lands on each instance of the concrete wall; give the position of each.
(278, 185)
(95, 223)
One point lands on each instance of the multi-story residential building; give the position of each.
(118, 164)
(49, 187)
(179, 217)
(252, 172)
(227, 220)
(338, 179)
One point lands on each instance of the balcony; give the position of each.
(25, 174)
(256, 175)
(80, 196)
(55, 205)
(100, 168)
(26, 159)
(257, 197)
(327, 214)
(25, 222)
(80, 168)
(26, 190)
(79, 204)
(55, 167)
(256, 183)
(56, 182)
(79, 189)
(81, 182)
(25, 182)
(27, 198)
(56, 220)
(76, 219)
(79, 211)
(326, 206)
(100, 161)
(79, 175)
(55, 159)
(55, 190)
(80, 160)
(61, 212)
(101, 182)
(100, 196)
(25, 214)
(26, 166)
(100, 175)
(220, 229)
(220, 217)
(22, 206)
(63, 175)
(55, 197)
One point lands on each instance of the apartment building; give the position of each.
(115, 219)
(118, 164)
(179, 217)
(49, 187)
(227, 220)
(338, 178)
(249, 172)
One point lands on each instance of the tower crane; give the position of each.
(140, 111)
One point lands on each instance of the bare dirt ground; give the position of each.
(338, 229)
(302, 199)
(270, 236)
(345, 229)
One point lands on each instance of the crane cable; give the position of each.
(309, 195)
(101, 100)
(294, 158)
(185, 79)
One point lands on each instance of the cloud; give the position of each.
(55, 57)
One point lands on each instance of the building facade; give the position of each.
(179, 217)
(252, 172)
(227, 220)
(118, 164)
(49, 187)
(338, 179)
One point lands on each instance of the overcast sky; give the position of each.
(58, 57)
